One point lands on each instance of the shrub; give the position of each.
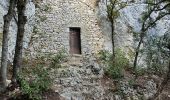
(114, 69)
(157, 54)
(34, 81)
(140, 71)
(131, 82)
(35, 76)
(105, 56)
(56, 60)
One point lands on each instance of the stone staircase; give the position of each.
(79, 79)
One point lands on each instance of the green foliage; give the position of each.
(43, 18)
(157, 54)
(112, 13)
(35, 30)
(149, 1)
(148, 21)
(105, 56)
(140, 71)
(144, 16)
(1, 35)
(56, 60)
(114, 68)
(156, 67)
(136, 36)
(34, 81)
(131, 82)
(113, 9)
(115, 72)
(36, 75)
(47, 8)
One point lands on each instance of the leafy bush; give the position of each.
(36, 75)
(157, 54)
(131, 82)
(35, 82)
(140, 71)
(105, 56)
(114, 68)
(56, 60)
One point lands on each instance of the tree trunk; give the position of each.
(21, 6)
(137, 50)
(4, 58)
(113, 41)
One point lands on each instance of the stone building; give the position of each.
(72, 25)
(66, 24)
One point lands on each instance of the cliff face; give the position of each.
(126, 24)
(3, 9)
(131, 17)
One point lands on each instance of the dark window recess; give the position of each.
(75, 41)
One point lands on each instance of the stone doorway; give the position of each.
(75, 40)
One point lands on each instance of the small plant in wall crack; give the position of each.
(56, 60)
(47, 8)
(43, 18)
(35, 30)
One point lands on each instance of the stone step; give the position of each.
(75, 57)
(80, 89)
(82, 77)
(72, 63)
(70, 72)
(83, 92)
(73, 60)
(79, 83)
(75, 81)
(78, 74)
(74, 72)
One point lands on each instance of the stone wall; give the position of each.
(53, 20)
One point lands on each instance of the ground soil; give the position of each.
(48, 95)
(165, 92)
